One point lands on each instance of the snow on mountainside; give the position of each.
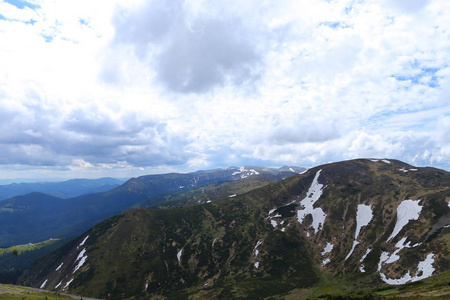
(366, 219)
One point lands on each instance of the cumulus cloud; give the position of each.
(190, 52)
(180, 85)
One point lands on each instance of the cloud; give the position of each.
(177, 85)
(408, 6)
(33, 134)
(190, 53)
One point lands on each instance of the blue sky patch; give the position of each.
(334, 25)
(47, 38)
(22, 4)
(424, 72)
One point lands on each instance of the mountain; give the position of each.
(360, 224)
(64, 189)
(211, 192)
(36, 217)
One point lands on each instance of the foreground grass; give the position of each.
(336, 287)
(19, 249)
(433, 287)
(12, 292)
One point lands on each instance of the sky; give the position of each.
(124, 88)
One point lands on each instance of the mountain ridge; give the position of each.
(340, 219)
(61, 189)
(71, 217)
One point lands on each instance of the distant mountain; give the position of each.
(211, 192)
(64, 189)
(361, 224)
(36, 217)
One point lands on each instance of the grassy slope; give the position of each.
(217, 240)
(20, 249)
(132, 242)
(12, 292)
(14, 260)
(211, 192)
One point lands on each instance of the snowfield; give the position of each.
(245, 173)
(363, 217)
(425, 269)
(406, 211)
(313, 194)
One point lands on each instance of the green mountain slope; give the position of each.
(211, 192)
(368, 223)
(36, 217)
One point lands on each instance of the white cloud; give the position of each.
(124, 85)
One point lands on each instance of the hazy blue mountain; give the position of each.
(63, 189)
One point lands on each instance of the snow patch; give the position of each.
(58, 285)
(361, 268)
(209, 201)
(59, 267)
(355, 242)
(292, 170)
(43, 284)
(425, 269)
(383, 257)
(365, 255)
(274, 223)
(82, 243)
(245, 173)
(255, 249)
(325, 261)
(283, 229)
(406, 171)
(81, 260)
(406, 211)
(313, 194)
(386, 161)
(257, 264)
(363, 217)
(327, 248)
(67, 284)
(390, 258)
(374, 160)
(179, 255)
(231, 196)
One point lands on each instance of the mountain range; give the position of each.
(36, 217)
(62, 189)
(367, 224)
